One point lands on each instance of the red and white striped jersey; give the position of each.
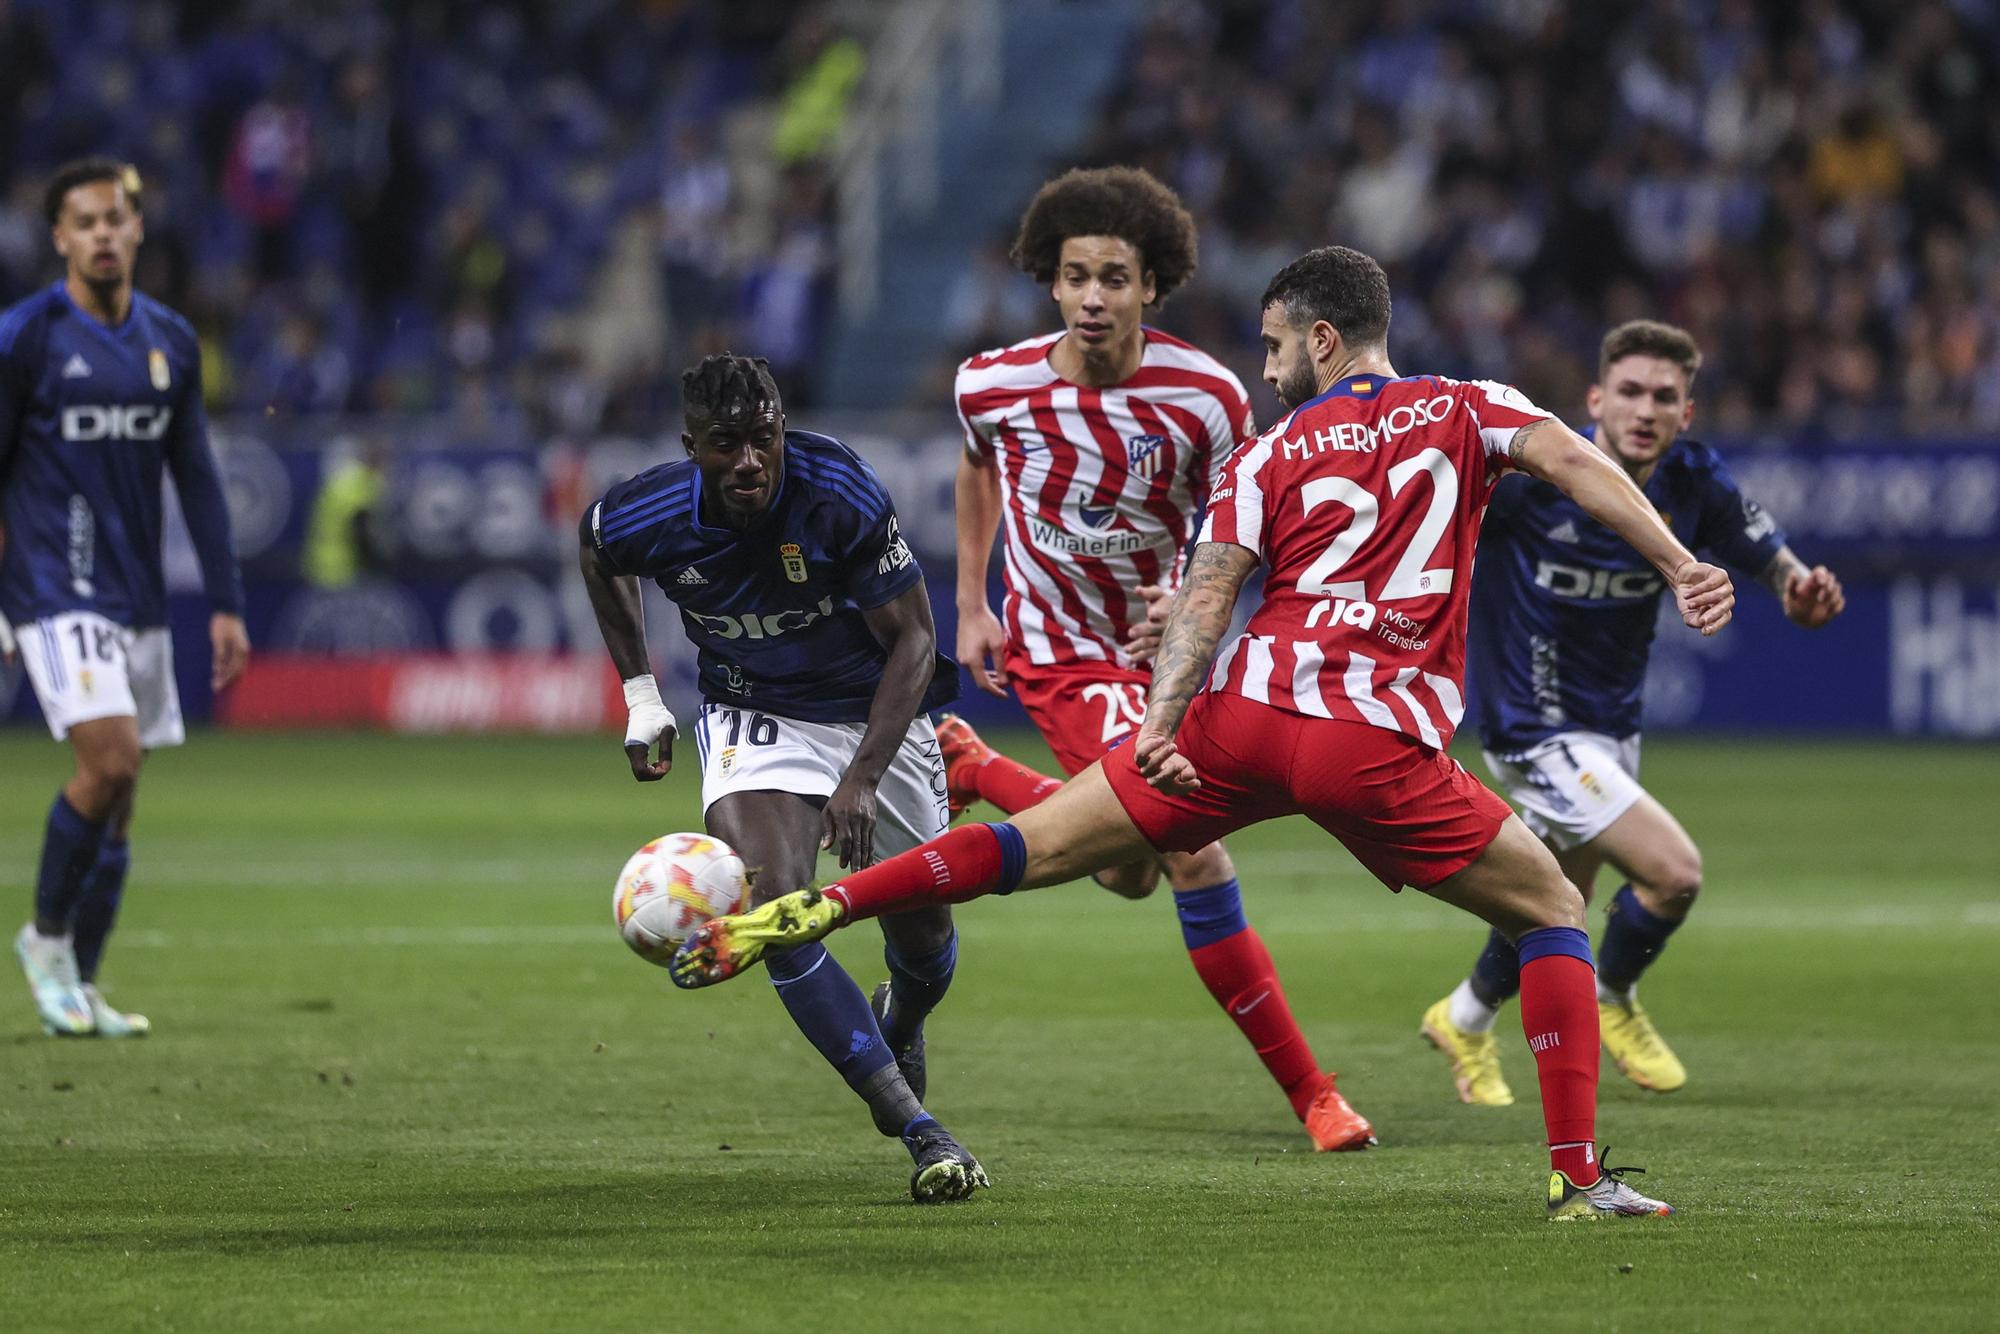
(1364, 504)
(1101, 486)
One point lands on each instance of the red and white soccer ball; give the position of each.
(673, 885)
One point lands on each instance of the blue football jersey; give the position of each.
(90, 416)
(774, 611)
(1563, 610)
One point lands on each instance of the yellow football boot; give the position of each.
(1643, 1056)
(1475, 1062)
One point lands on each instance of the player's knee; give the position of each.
(1679, 884)
(1134, 880)
(1559, 903)
(111, 777)
(1199, 870)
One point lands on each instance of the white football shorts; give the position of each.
(85, 667)
(747, 750)
(1570, 787)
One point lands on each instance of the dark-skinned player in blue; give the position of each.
(100, 395)
(818, 669)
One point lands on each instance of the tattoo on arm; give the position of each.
(1780, 571)
(1195, 626)
(1517, 448)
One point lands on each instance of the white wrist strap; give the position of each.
(647, 714)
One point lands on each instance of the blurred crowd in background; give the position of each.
(524, 216)
(1812, 187)
(471, 207)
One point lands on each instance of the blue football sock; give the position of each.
(69, 850)
(915, 988)
(1211, 914)
(1633, 938)
(97, 906)
(1496, 975)
(831, 1011)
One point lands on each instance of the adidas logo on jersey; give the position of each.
(689, 578)
(76, 368)
(1564, 532)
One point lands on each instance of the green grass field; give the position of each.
(404, 1076)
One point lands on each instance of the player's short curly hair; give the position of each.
(1344, 287)
(1129, 203)
(1649, 338)
(726, 385)
(87, 171)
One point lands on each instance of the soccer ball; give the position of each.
(673, 885)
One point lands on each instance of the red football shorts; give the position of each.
(1410, 814)
(1082, 708)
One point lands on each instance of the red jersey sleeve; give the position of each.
(1498, 411)
(976, 444)
(1237, 510)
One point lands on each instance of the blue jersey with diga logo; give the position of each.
(774, 610)
(90, 418)
(1563, 609)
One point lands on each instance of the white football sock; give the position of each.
(1606, 996)
(1469, 1014)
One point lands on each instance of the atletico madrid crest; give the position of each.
(1142, 455)
(794, 561)
(156, 362)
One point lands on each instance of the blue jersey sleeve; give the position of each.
(630, 526)
(875, 559)
(198, 482)
(1739, 531)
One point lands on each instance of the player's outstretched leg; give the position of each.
(1081, 829)
(1517, 887)
(1461, 1024)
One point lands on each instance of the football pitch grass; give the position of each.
(405, 1077)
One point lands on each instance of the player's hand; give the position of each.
(230, 645)
(648, 721)
(1162, 765)
(1813, 597)
(1704, 595)
(981, 642)
(1142, 641)
(847, 824)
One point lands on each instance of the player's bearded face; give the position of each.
(1640, 407)
(1102, 288)
(1287, 367)
(98, 233)
(742, 460)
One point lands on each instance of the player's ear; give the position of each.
(1593, 402)
(1149, 288)
(687, 442)
(1687, 414)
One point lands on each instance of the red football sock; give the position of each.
(959, 865)
(1011, 785)
(1559, 1015)
(1238, 972)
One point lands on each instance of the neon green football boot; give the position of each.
(722, 947)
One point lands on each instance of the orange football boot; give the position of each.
(1334, 1126)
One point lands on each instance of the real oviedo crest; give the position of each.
(793, 559)
(156, 364)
